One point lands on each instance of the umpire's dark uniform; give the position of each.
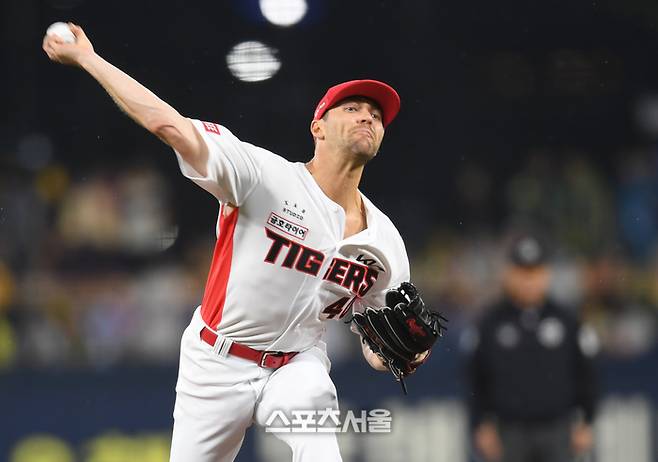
(529, 370)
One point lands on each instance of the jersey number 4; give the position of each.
(339, 308)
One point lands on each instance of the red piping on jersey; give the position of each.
(214, 296)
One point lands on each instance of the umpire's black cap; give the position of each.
(528, 250)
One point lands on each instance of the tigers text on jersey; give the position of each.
(281, 265)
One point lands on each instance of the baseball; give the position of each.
(62, 30)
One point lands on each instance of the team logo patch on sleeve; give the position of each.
(287, 226)
(211, 127)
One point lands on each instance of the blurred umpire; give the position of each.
(533, 386)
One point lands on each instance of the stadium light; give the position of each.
(252, 61)
(283, 13)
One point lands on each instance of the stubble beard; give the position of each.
(363, 150)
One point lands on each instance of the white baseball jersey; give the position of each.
(281, 265)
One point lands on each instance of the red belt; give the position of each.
(269, 359)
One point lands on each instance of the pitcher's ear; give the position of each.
(317, 129)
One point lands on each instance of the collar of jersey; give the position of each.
(370, 216)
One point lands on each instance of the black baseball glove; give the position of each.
(402, 332)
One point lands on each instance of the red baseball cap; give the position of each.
(383, 94)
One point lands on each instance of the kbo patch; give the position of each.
(211, 127)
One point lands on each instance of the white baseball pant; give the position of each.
(218, 398)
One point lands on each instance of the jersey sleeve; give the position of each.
(399, 272)
(233, 169)
(377, 299)
(397, 263)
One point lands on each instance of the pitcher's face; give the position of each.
(355, 126)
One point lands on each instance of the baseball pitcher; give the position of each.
(297, 245)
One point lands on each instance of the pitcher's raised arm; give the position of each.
(141, 105)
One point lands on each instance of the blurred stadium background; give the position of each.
(515, 112)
